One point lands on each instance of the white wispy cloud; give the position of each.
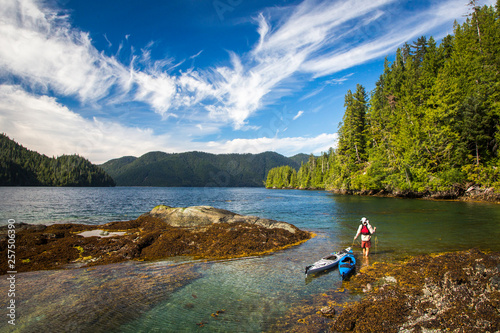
(299, 114)
(40, 47)
(319, 38)
(44, 51)
(339, 80)
(45, 54)
(395, 32)
(42, 124)
(196, 55)
(334, 81)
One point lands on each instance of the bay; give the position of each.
(247, 295)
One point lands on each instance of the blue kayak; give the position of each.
(347, 265)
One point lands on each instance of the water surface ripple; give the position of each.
(249, 294)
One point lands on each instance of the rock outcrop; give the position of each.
(203, 216)
(199, 232)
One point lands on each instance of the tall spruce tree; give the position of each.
(352, 135)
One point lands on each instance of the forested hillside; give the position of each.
(22, 167)
(431, 124)
(195, 169)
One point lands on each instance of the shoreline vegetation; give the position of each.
(429, 129)
(199, 232)
(473, 193)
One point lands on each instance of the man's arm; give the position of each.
(357, 234)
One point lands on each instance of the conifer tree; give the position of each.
(433, 119)
(352, 136)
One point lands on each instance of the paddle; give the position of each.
(355, 245)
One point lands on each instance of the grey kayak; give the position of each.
(327, 262)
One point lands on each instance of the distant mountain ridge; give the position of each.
(20, 166)
(197, 169)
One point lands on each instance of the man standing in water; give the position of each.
(366, 231)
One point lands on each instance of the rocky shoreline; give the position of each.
(451, 292)
(457, 292)
(459, 193)
(196, 232)
(472, 193)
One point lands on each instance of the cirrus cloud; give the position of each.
(44, 60)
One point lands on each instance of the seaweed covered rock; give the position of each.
(201, 232)
(456, 292)
(452, 292)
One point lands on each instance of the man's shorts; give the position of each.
(366, 244)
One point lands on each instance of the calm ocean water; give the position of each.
(180, 295)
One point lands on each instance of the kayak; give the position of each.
(327, 262)
(347, 265)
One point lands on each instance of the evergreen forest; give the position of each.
(431, 124)
(197, 169)
(22, 167)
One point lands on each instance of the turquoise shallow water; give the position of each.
(180, 295)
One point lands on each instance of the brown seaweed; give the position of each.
(146, 238)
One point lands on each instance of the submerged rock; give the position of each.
(328, 311)
(200, 232)
(104, 299)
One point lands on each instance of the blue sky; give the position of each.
(106, 79)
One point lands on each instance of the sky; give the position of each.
(106, 79)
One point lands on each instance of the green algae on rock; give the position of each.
(198, 232)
